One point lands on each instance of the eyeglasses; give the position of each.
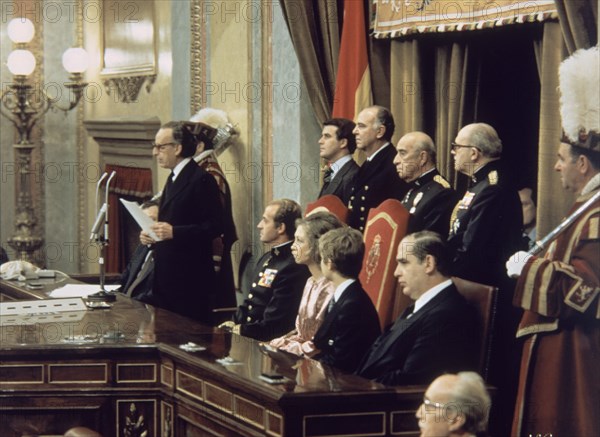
(429, 403)
(161, 147)
(454, 147)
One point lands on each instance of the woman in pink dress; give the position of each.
(317, 291)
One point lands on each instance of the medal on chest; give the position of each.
(465, 202)
(267, 278)
(416, 201)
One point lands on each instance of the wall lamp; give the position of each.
(24, 106)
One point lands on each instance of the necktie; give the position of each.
(327, 177)
(168, 186)
(331, 304)
(408, 312)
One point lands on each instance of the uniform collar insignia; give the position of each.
(282, 249)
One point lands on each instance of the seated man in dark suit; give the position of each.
(136, 280)
(271, 306)
(336, 146)
(351, 324)
(435, 335)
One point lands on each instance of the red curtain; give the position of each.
(131, 183)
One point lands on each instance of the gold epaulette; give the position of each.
(440, 180)
(493, 177)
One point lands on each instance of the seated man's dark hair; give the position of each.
(287, 213)
(432, 243)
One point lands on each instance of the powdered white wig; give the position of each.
(218, 119)
(580, 93)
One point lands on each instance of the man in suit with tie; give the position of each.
(435, 335)
(430, 198)
(190, 216)
(377, 179)
(137, 279)
(336, 146)
(351, 324)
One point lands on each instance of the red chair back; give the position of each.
(329, 203)
(386, 226)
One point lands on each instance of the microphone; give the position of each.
(98, 187)
(101, 212)
(100, 219)
(112, 175)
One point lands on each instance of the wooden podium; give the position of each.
(114, 369)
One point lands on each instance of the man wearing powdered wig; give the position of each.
(209, 147)
(559, 388)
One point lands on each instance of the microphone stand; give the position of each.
(102, 239)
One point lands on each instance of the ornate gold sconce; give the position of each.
(24, 106)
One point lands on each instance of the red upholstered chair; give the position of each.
(329, 203)
(386, 226)
(483, 299)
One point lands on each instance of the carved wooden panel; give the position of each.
(77, 373)
(21, 373)
(136, 417)
(136, 372)
(357, 424)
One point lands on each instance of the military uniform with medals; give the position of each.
(271, 307)
(485, 227)
(430, 201)
(377, 180)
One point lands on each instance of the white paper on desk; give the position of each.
(80, 290)
(140, 217)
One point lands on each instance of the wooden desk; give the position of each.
(106, 369)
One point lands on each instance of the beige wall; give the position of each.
(223, 53)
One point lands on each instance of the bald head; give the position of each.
(485, 138)
(455, 405)
(475, 145)
(416, 155)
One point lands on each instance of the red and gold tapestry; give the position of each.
(397, 18)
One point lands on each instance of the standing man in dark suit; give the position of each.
(430, 198)
(351, 324)
(189, 218)
(271, 306)
(435, 335)
(137, 279)
(377, 179)
(336, 145)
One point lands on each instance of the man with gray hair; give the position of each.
(376, 180)
(430, 198)
(485, 227)
(455, 405)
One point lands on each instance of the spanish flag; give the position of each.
(353, 81)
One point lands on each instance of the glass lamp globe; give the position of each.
(20, 30)
(75, 60)
(21, 62)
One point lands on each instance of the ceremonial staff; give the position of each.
(543, 243)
